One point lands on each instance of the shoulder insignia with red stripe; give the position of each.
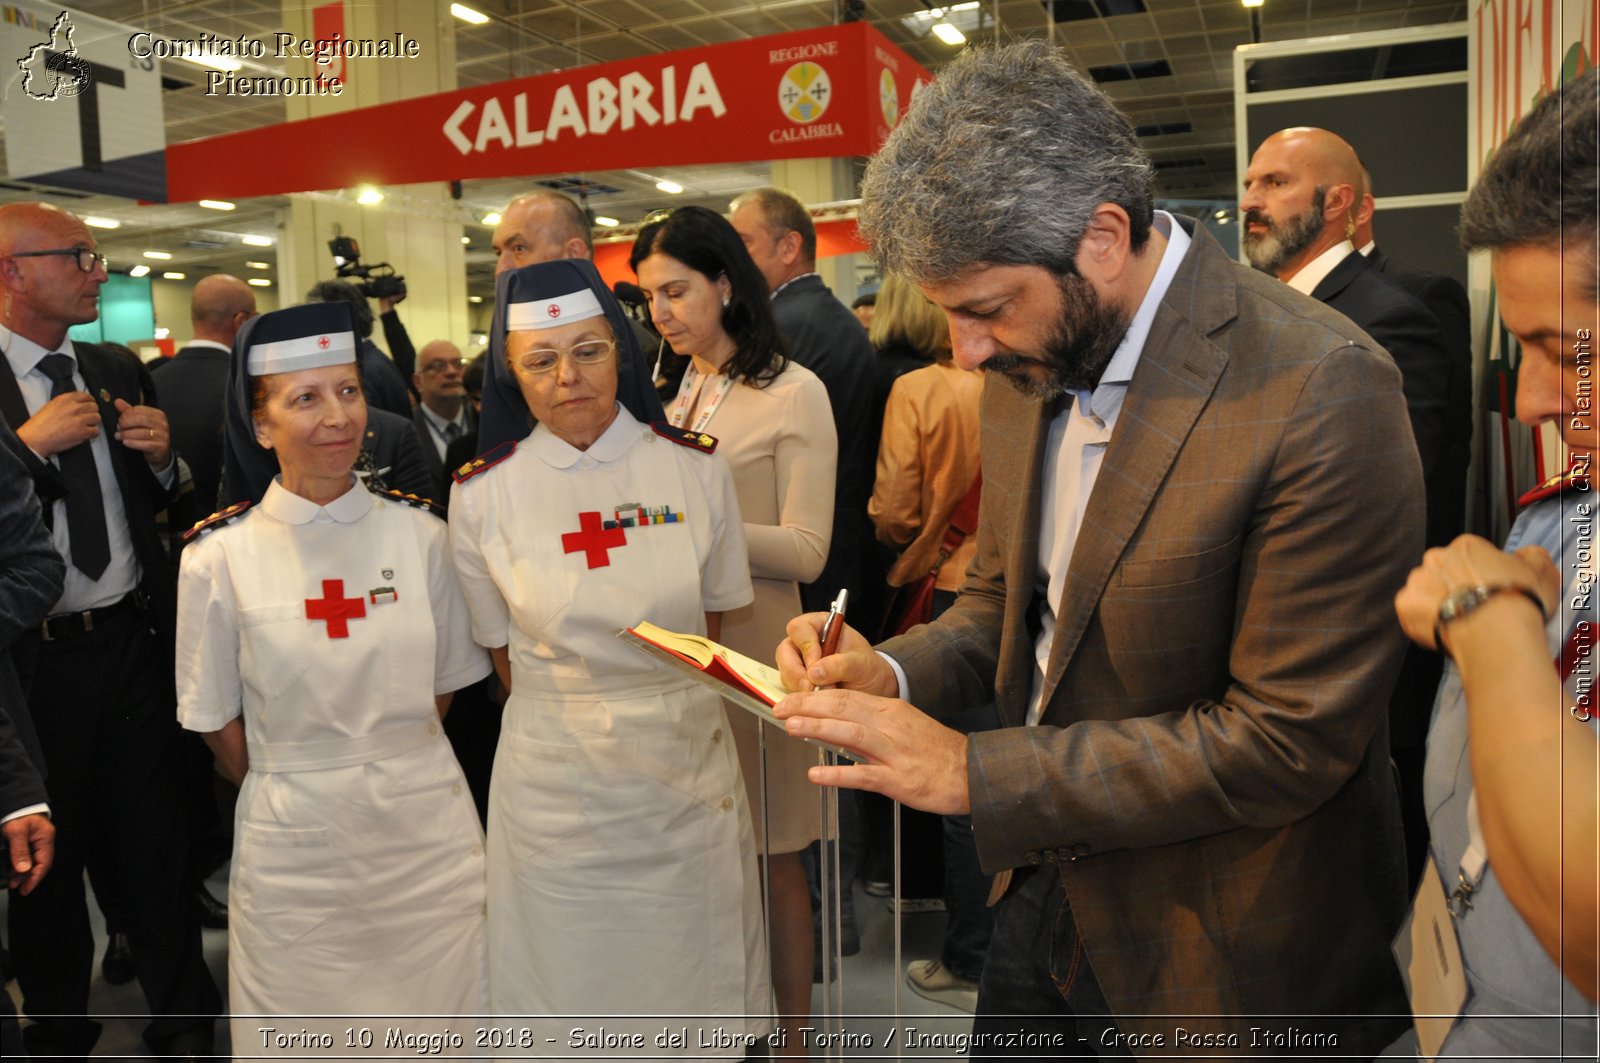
(706, 444)
(1578, 476)
(414, 501)
(217, 519)
(487, 460)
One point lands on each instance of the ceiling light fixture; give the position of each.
(225, 63)
(173, 276)
(216, 204)
(1251, 3)
(139, 271)
(466, 239)
(671, 188)
(491, 218)
(468, 14)
(259, 265)
(369, 196)
(474, 298)
(256, 241)
(161, 255)
(940, 12)
(101, 223)
(259, 282)
(609, 223)
(949, 34)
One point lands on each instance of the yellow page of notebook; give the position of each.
(763, 678)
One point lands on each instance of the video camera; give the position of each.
(378, 281)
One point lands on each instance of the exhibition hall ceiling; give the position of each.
(1167, 63)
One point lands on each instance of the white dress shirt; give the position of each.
(1312, 273)
(122, 574)
(1074, 450)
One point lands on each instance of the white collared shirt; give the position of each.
(290, 508)
(437, 426)
(791, 280)
(197, 342)
(122, 574)
(1312, 273)
(1076, 446)
(1074, 432)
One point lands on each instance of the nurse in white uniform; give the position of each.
(621, 858)
(320, 635)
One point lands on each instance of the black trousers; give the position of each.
(102, 703)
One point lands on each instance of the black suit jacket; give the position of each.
(381, 381)
(30, 584)
(825, 337)
(193, 387)
(108, 378)
(439, 467)
(1411, 334)
(1447, 513)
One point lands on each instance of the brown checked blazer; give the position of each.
(1211, 775)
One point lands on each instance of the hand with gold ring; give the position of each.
(144, 428)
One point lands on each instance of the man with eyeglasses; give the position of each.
(443, 415)
(100, 665)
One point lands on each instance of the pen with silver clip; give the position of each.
(833, 627)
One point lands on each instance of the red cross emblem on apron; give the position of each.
(335, 609)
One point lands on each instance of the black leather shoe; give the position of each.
(213, 913)
(117, 966)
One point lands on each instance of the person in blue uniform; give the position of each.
(1510, 782)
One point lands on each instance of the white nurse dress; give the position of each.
(622, 874)
(357, 885)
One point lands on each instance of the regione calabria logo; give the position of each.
(53, 69)
(803, 92)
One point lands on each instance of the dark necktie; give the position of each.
(86, 510)
(452, 432)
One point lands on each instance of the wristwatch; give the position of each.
(1464, 600)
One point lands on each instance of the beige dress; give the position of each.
(780, 442)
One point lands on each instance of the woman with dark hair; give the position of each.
(621, 858)
(321, 634)
(709, 301)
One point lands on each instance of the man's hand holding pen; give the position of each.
(907, 755)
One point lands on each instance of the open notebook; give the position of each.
(741, 680)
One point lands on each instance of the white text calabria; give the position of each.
(623, 103)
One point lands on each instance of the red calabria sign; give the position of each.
(833, 91)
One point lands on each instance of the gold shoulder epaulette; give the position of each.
(1575, 476)
(414, 501)
(706, 444)
(217, 519)
(484, 462)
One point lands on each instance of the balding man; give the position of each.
(825, 337)
(541, 227)
(443, 414)
(1302, 201)
(194, 381)
(1301, 196)
(101, 696)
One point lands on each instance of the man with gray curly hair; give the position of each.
(1199, 495)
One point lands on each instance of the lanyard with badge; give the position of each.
(686, 393)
